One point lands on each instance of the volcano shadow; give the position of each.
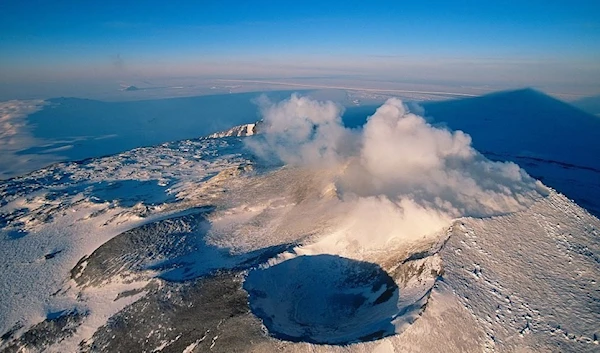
(77, 128)
(324, 299)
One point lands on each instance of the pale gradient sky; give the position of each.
(551, 45)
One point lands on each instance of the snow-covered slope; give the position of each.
(36, 134)
(530, 278)
(202, 245)
(237, 131)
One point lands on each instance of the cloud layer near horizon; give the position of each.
(15, 136)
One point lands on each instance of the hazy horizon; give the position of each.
(70, 48)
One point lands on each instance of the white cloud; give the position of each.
(402, 155)
(303, 131)
(402, 177)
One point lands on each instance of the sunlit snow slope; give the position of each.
(309, 236)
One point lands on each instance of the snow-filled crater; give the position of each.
(324, 299)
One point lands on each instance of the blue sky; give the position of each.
(532, 43)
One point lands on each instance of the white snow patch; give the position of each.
(101, 304)
(384, 347)
(192, 346)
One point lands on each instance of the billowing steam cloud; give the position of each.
(302, 131)
(402, 154)
(404, 177)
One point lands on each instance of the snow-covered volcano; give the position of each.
(310, 236)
